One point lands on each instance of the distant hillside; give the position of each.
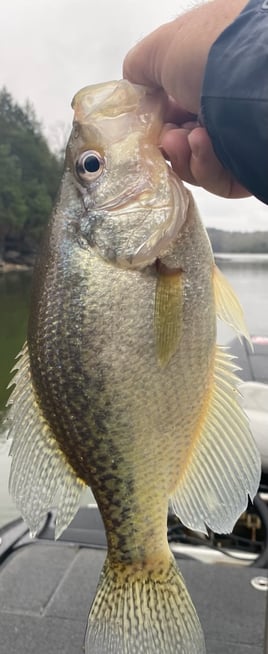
(222, 241)
(29, 179)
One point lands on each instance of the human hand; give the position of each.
(190, 151)
(174, 58)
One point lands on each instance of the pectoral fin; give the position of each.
(168, 314)
(39, 470)
(228, 307)
(222, 466)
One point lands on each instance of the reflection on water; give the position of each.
(8, 510)
(247, 273)
(244, 258)
(14, 302)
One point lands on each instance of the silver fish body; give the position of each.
(125, 387)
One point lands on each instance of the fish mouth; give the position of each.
(136, 192)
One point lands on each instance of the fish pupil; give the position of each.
(91, 163)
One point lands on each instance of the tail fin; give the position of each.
(137, 614)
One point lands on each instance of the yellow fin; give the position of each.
(168, 314)
(222, 466)
(228, 307)
(141, 613)
(39, 470)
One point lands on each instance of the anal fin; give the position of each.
(40, 475)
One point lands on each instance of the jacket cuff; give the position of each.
(234, 101)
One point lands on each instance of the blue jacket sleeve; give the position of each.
(234, 103)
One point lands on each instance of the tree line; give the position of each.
(246, 242)
(29, 178)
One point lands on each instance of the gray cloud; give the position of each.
(51, 48)
(245, 215)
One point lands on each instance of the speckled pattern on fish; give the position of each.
(121, 385)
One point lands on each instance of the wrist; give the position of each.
(201, 27)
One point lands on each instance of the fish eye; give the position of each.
(89, 165)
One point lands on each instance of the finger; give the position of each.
(161, 60)
(176, 114)
(142, 64)
(174, 56)
(174, 142)
(207, 170)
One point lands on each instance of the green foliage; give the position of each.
(13, 209)
(29, 172)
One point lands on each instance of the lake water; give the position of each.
(247, 273)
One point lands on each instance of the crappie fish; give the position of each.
(121, 385)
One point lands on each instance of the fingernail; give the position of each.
(194, 145)
(190, 124)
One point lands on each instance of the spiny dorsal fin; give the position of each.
(39, 469)
(223, 465)
(228, 307)
(168, 314)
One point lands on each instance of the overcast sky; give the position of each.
(51, 48)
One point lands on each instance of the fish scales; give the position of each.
(107, 413)
(123, 378)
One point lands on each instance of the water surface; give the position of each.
(14, 303)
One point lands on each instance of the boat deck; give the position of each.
(46, 590)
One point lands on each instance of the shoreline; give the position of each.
(7, 266)
(14, 267)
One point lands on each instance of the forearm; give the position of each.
(234, 103)
(174, 56)
(196, 31)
